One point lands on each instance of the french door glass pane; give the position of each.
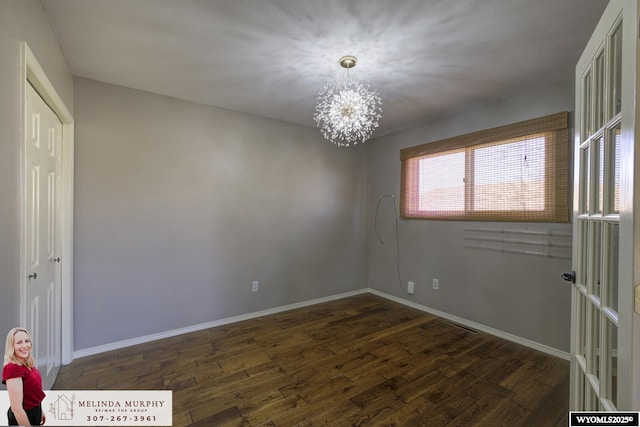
(591, 397)
(615, 68)
(581, 346)
(583, 251)
(581, 385)
(610, 384)
(612, 257)
(585, 181)
(598, 176)
(615, 142)
(586, 106)
(593, 354)
(595, 244)
(599, 91)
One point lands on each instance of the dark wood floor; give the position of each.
(357, 361)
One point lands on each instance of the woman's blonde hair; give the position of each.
(10, 352)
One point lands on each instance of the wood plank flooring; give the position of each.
(358, 361)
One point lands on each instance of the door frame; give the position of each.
(629, 278)
(629, 257)
(32, 73)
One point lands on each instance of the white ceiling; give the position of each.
(426, 58)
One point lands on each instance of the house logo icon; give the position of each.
(62, 407)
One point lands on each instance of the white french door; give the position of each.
(603, 366)
(43, 164)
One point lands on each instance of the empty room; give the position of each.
(324, 212)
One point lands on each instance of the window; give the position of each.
(517, 172)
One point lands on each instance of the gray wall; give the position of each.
(515, 293)
(180, 206)
(20, 20)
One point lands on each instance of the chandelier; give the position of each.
(348, 110)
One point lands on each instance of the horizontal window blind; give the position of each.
(516, 172)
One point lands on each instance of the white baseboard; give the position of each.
(172, 333)
(153, 337)
(496, 332)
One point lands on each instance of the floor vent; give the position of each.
(458, 325)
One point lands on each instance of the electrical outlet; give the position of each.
(410, 287)
(436, 285)
(255, 286)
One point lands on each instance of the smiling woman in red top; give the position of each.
(23, 380)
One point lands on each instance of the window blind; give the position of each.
(516, 172)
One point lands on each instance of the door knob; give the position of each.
(569, 277)
(56, 259)
(33, 276)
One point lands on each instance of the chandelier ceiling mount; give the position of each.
(348, 61)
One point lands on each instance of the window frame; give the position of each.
(554, 127)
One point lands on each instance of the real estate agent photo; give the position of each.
(23, 380)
